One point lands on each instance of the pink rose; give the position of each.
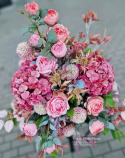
(51, 18)
(95, 106)
(29, 129)
(59, 49)
(57, 106)
(45, 66)
(32, 8)
(34, 39)
(96, 127)
(50, 150)
(61, 32)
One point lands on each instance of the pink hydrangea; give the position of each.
(45, 66)
(34, 39)
(99, 76)
(32, 8)
(69, 130)
(79, 116)
(51, 18)
(25, 51)
(29, 88)
(61, 32)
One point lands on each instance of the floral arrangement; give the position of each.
(62, 83)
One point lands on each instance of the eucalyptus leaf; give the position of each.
(41, 22)
(49, 144)
(52, 127)
(49, 55)
(110, 125)
(38, 143)
(45, 145)
(23, 31)
(113, 117)
(54, 134)
(52, 37)
(91, 122)
(102, 119)
(34, 17)
(44, 13)
(57, 141)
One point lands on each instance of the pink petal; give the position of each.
(25, 95)
(1, 124)
(123, 115)
(3, 113)
(35, 74)
(8, 125)
(23, 88)
(32, 80)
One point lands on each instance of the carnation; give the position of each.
(29, 88)
(99, 76)
(70, 72)
(40, 109)
(79, 116)
(69, 130)
(25, 51)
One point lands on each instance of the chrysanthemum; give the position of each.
(79, 116)
(25, 51)
(70, 72)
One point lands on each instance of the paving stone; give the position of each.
(26, 149)
(4, 147)
(115, 154)
(10, 154)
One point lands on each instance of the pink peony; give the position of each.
(50, 150)
(51, 18)
(34, 39)
(96, 127)
(99, 76)
(95, 106)
(69, 130)
(79, 116)
(25, 51)
(59, 49)
(29, 88)
(29, 129)
(61, 32)
(32, 8)
(45, 66)
(57, 106)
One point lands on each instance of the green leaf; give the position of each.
(45, 145)
(23, 31)
(88, 50)
(38, 143)
(52, 37)
(34, 17)
(110, 102)
(73, 60)
(41, 22)
(40, 42)
(44, 13)
(109, 95)
(105, 131)
(118, 136)
(70, 112)
(70, 43)
(49, 144)
(49, 55)
(58, 22)
(38, 122)
(101, 119)
(33, 25)
(57, 141)
(113, 134)
(113, 117)
(15, 121)
(122, 134)
(110, 125)
(54, 154)
(104, 105)
(30, 122)
(91, 122)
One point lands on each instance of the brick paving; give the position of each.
(112, 14)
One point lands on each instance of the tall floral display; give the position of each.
(62, 83)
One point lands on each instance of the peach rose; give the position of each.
(57, 106)
(29, 129)
(59, 49)
(32, 8)
(34, 39)
(95, 106)
(45, 66)
(50, 150)
(61, 32)
(96, 127)
(51, 18)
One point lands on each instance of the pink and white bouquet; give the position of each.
(62, 83)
